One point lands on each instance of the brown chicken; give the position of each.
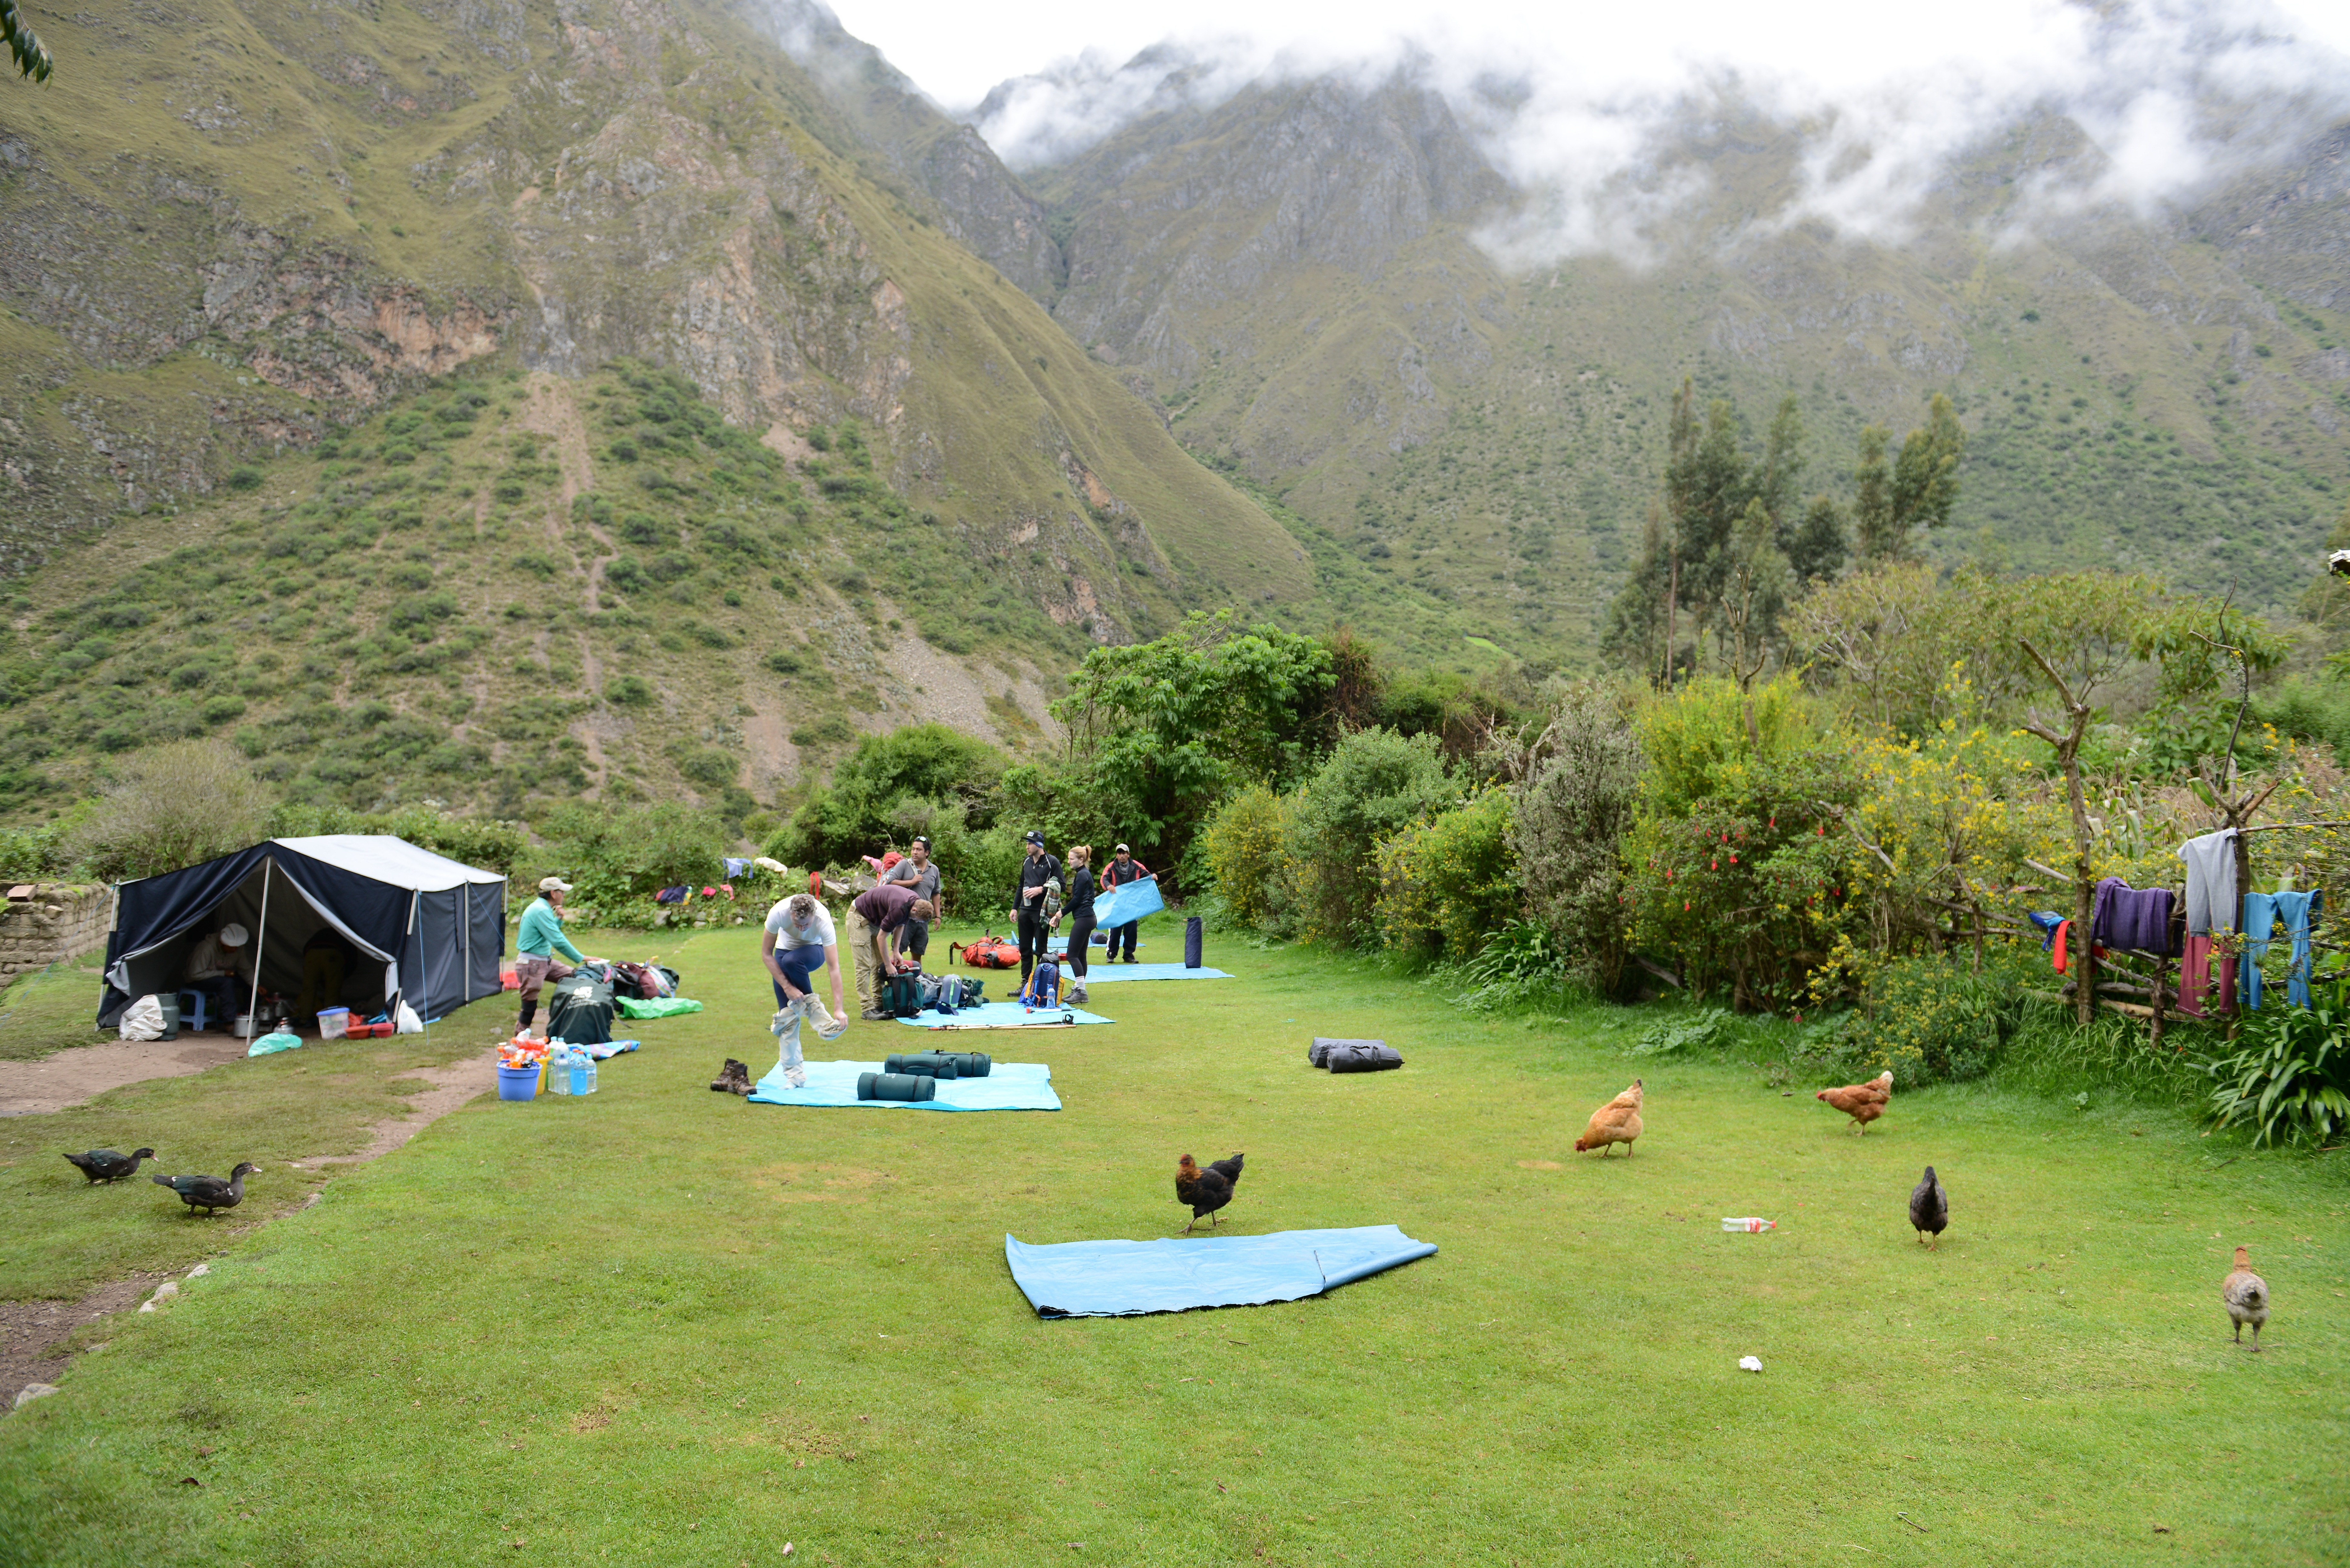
(2246, 1296)
(1618, 1121)
(1864, 1102)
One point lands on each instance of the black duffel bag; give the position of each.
(1319, 1051)
(1362, 1056)
(579, 1010)
(895, 1086)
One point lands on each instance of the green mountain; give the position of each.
(1294, 275)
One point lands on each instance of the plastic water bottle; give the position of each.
(1750, 1224)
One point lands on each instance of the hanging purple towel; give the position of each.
(2133, 918)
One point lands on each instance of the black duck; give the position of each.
(108, 1164)
(209, 1193)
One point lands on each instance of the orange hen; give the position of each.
(1864, 1102)
(1618, 1121)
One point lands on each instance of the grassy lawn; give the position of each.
(660, 1325)
(48, 1010)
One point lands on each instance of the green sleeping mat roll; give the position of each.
(895, 1086)
(940, 1063)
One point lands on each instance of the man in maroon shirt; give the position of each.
(873, 915)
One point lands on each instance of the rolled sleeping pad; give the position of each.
(895, 1086)
(1319, 1051)
(925, 1064)
(1367, 1057)
(1192, 942)
(968, 1063)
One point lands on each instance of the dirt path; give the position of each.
(65, 1079)
(453, 1086)
(552, 410)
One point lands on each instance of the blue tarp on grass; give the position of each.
(1004, 1015)
(1119, 1279)
(1099, 973)
(1008, 1087)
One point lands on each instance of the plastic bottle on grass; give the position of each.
(1750, 1224)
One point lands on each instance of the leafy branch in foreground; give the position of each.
(31, 55)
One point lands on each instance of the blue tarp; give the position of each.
(1004, 1015)
(1099, 973)
(1128, 902)
(1008, 1087)
(1121, 1279)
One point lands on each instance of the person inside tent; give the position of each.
(327, 958)
(535, 945)
(216, 968)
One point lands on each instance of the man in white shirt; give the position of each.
(799, 941)
(216, 966)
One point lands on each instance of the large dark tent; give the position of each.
(433, 927)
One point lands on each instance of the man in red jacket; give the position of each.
(1123, 869)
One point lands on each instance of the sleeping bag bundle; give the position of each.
(895, 1086)
(1354, 1056)
(940, 1064)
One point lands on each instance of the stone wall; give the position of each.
(46, 921)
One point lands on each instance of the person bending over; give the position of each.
(536, 943)
(1029, 907)
(921, 873)
(1080, 911)
(1123, 869)
(797, 942)
(875, 914)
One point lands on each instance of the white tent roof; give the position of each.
(390, 860)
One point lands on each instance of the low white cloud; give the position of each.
(1588, 110)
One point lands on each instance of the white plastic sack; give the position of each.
(406, 1022)
(143, 1019)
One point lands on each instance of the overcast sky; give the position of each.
(957, 50)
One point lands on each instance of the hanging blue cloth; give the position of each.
(2047, 920)
(2299, 911)
(2260, 920)
(735, 868)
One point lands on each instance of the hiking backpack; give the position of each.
(991, 952)
(901, 996)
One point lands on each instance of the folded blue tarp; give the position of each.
(1128, 902)
(1103, 973)
(1119, 1279)
(1004, 1015)
(1008, 1087)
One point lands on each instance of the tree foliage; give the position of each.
(173, 806)
(25, 48)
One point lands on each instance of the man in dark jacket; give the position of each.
(1123, 869)
(1028, 902)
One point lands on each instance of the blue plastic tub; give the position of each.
(518, 1083)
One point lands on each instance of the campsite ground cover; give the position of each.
(660, 1325)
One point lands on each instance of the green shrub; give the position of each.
(2289, 1081)
(1450, 881)
(1932, 1018)
(1242, 847)
(173, 805)
(627, 691)
(244, 477)
(858, 812)
(1375, 784)
(1574, 806)
(619, 858)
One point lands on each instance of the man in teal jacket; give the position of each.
(535, 945)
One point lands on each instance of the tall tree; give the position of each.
(1915, 489)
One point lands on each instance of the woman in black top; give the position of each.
(1080, 911)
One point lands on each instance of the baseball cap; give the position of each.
(554, 884)
(233, 936)
(1122, 850)
(1034, 836)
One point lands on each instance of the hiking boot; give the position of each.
(873, 1015)
(1078, 996)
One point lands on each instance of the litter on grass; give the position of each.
(1750, 1364)
(1750, 1224)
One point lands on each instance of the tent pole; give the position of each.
(260, 940)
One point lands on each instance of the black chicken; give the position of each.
(107, 1164)
(1930, 1207)
(1206, 1187)
(209, 1193)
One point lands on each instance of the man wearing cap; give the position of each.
(216, 967)
(1123, 869)
(535, 945)
(1029, 910)
(921, 873)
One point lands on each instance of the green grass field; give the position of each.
(662, 1327)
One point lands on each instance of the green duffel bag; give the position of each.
(924, 1064)
(895, 1086)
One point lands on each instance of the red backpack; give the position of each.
(991, 952)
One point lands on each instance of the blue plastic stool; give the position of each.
(191, 1010)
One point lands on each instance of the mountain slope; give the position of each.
(1295, 274)
(289, 216)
